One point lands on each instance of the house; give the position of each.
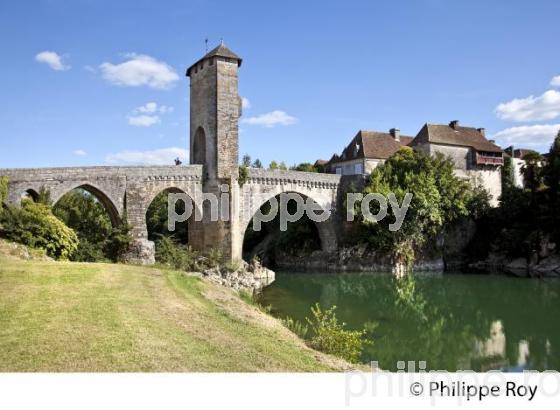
(367, 150)
(477, 159)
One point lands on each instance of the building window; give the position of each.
(338, 171)
(359, 169)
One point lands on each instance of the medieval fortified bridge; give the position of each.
(215, 108)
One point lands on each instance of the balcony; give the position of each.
(489, 159)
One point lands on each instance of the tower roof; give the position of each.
(220, 51)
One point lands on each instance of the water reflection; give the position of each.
(452, 322)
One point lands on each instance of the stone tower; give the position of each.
(215, 111)
(214, 143)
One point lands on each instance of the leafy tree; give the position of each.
(246, 161)
(273, 165)
(507, 175)
(438, 198)
(305, 167)
(99, 240)
(257, 163)
(44, 196)
(3, 190)
(532, 171)
(282, 166)
(83, 213)
(33, 224)
(119, 241)
(243, 174)
(157, 220)
(552, 170)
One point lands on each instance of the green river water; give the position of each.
(450, 321)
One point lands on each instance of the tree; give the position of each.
(508, 182)
(257, 163)
(438, 198)
(305, 167)
(532, 171)
(246, 161)
(33, 224)
(3, 190)
(273, 165)
(282, 166)
(552, 170)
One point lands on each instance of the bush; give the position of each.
(331, 337)
(3, 190)
(34, 225)
(296, 327)
(214, 258)
(172, 254)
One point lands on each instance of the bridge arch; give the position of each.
(154, 222)
(326, 230)
(98, 193)
(30, 193)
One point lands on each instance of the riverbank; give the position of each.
(95, 317)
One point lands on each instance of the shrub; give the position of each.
(296, 327)
(172, 254)
(33, 224)
(331, 337)
(214, 258)
(3, 190)
(243, 174)
(118, 242)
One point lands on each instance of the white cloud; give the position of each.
(163, 156)
(144, 120)
(90, 69)
(140, 70)
(532, 136)
(555, 82)
(148, 114)
(245, 103)
(271, 119)
(79, 153)
(543, 107)
(52, 59)
(152, 107)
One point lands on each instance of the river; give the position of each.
(450, 321)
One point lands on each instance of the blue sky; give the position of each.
(80, 78)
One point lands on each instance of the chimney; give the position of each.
(492, 141)
(482, 131)
(396, 134)
(454, 124)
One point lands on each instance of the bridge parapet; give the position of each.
(280, 177)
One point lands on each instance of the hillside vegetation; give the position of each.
(66, 316)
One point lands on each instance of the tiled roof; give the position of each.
(461, 136)
(371, 145)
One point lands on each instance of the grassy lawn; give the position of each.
(57, 316)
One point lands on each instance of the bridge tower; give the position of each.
(215, 108)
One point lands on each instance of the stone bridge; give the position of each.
(127, 192)
(215, 108)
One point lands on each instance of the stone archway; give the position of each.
(101, 196)
(193, 224)
(325, 230)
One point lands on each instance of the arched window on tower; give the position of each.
(199, 147)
